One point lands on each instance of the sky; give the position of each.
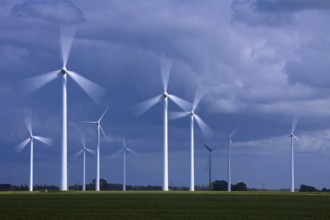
(262, 63)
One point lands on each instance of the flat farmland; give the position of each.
(164, 205)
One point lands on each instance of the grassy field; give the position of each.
(164, 205)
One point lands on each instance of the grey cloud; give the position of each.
(273, 13)
(57, 11)
(249, 12)
(291, 5)
(311, 66)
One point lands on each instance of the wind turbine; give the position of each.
(165, 66)
(99, 130)
(209, 149)
(125, 150)
(83, 152)
(30, 140)
(292, 138)
(204, 128)
(93, 90)
(229, 141)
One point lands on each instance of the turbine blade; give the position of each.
(91, 151)
(207, 147)
(34, 83)
(103, 113)
(198, 97)
(106, 138)
(93, 90)
(89, 122)
(183, 104)
(296, 138)
(206, 130)
(67, 35)
(116, 153)
(236, 129)
(83, 141)
(77, 154)
(22, 145)
(294, 124)
(129, 150)
(44, 140)
(146, 105)
(28, 123)
(165, 68)
(124, 141)
(177, 115)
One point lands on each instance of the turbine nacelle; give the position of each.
(192, 113)
(63, 71)
(165, 95)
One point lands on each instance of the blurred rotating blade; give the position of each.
(91, 151)
(183, 104)
(93, 90)
(34, 83)
(146, 105)
(198, 97)
(44, 140)
(67, 35)
(129, 150)
(28, 123)
(206, 130)
(236, 129)
(296, 138)
(177, 115)
(77, 154)
(165, 64)
(22, 145)
(294, 124)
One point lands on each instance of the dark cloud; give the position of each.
(57, 11)
(273, 13)
(250, 13)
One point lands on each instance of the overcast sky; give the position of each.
(263, 62)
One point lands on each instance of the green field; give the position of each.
(164, 205)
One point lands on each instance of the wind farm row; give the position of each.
(96, 92)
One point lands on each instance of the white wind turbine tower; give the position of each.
(165, 65)
(99, 130)
(95, 91)
(229, 141)
(204, 128)
(31, 139)
(83, 152)
(292, 138)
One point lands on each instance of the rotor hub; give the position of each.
(165, 95)
(63, 71)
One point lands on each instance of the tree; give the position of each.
(305, 188)
(239, 187)
(219, 185)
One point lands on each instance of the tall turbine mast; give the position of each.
(229, 141)
(209, 149)
(293, 137)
